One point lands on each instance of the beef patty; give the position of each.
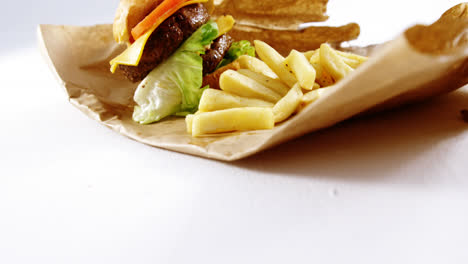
(166, 39)
(216, 53)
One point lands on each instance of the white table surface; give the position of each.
(391, 188)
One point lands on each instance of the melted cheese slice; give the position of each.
(132, 55)
(225, 24)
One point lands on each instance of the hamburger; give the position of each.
(171, 46)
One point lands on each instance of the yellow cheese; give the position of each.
(132, 55)
(225, 24)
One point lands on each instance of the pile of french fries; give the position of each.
(267, 91)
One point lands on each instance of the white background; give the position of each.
(390, 188)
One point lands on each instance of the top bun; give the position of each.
(131, 12)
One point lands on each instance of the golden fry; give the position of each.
(274, 60)
(288, 104)
(315, 57)
(307, 99)
(236, 83)
(310, 97)
(333, 63)
(318, 69)
(351, 59)
(235, 119)
(256, 65)
(189, 123)
(274, 84)
(325, 79)
(213, 100)
(309, 54)
(300, 66)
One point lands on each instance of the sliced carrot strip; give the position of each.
(159, 14)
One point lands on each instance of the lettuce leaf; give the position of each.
(174, 87)
(237, 49)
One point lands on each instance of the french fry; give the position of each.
(300, 66)
(318, 69)
(353, 60)
(311, 53)
(310, 97)
(274, 84)
(307, 99)
(324, 79)
(314, 60)
(236, 83)
(189, 123)
(274, 60)
(316, 86)
(288, 104)
(333, 63)
(235, 119)
(213, 100)
(315, 57)
(256, 65)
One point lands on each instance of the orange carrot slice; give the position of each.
(166, 9)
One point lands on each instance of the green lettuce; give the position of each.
(237, 49)
(174, 87)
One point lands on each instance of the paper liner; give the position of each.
(408, 69)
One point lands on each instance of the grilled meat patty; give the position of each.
(166, 39)
(216, 53)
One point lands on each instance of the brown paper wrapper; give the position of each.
(273, 14)
(423, 62)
